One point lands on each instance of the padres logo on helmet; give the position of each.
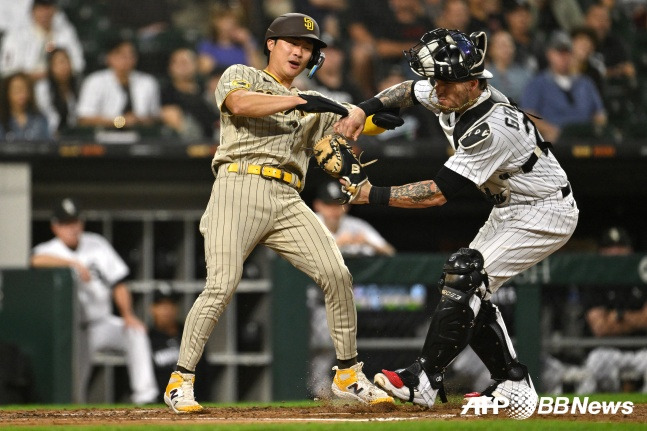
(309, 24)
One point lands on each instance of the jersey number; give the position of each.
(510, 119)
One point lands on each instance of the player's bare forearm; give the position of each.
(397, 96)
(605, 323)
(422, 194)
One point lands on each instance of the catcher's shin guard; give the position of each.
(462, 285)
(492, 344)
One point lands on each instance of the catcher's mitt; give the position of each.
(336, 158)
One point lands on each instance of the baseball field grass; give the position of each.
(312, 415)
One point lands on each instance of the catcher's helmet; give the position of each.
(464, 270)
(449, 55)
(298, 25)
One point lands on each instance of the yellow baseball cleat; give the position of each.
(351, 383)
(179, 393)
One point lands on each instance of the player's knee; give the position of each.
(463, 273)
(334, 278)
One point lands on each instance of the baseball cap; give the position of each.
(560, 41)
(67, 210)
(615, 237)
(295, 25)
(44, 3)
(330, 192)
(160, 295)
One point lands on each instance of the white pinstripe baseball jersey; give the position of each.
(506, 143)
(535, 212)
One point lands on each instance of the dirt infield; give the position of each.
(231, 415)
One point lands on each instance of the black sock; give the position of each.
(346, 363)
(183, 370)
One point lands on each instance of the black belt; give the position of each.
(566, 190)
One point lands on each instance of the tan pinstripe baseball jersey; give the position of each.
(246, 209)
(283, 139)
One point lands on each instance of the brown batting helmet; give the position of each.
(294, 25)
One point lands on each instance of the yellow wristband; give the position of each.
(370, 128)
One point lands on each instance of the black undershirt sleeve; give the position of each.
(450, 183)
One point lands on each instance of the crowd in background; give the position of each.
(70, 66)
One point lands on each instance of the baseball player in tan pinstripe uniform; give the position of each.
(267, 131)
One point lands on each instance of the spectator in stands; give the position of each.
(229, 42)
(119, 96)
(612, 312)
(146, 17)
(518, 21)
(586, 60)
(332, 79)
(184, 107)
(614, 52)
(354, 236)
(150, 23)
(552, 16)
(100, 271)
(455, 15)
(376, 48)
(485, 16)
(165, 335)
(57, 94)
(25, 48)
(20, 119)
(509, 77)
(559, 96)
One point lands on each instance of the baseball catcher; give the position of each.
(498, 150)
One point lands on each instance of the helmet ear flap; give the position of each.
(479, 39)
(316, 61)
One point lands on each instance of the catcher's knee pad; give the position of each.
(453, 320)
(492, 344)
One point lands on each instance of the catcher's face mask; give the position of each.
(449, 55)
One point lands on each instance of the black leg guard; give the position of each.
(409, 377)
(491, 343)
(449, 332)
(452, 323)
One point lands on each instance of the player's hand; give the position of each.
(82, 271)
(131, 321)
(362, 194)
(351, 127)
(315, 103)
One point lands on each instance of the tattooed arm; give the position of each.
(398, 96)
(422, 194)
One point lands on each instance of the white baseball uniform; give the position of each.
(535, 212)
(106, 331)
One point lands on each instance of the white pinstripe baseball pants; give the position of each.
(518, 236)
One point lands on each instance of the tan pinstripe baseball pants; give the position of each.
(246, 210)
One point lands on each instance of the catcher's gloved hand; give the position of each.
(321, 104)
(388, 119)
(337, 159)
